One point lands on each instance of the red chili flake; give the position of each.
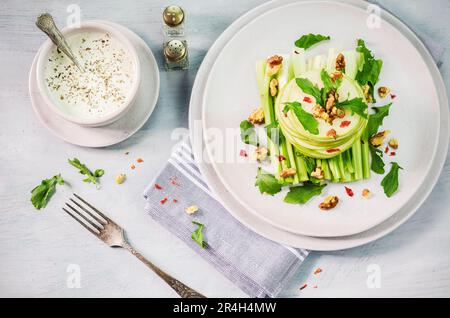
(349, 192)
(307, 99)
(304, 286)
(157, 186)
(140, 160)
(332, 150)
(243, 153)
(345, 123)
(281, 158)
(386, 150)
(393, 96)
(163, 201)
(317, 271)
(393, 154)
(315, 286)
(175, 201)
(133, 167)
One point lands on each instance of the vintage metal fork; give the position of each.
(112, 234)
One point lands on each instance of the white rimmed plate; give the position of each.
(118, 131)
(421, 190)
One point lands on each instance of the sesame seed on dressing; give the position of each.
(102, 88)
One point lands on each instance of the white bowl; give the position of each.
(89, 26)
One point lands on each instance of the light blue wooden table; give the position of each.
(37, 249)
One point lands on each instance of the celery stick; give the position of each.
(291, 157)
(357, 160)
(298, 62)
(348, 161)
(365, 160)
(326, 169)
(334, 169)
(302, 171)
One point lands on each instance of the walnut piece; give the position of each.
(332, 133)
(257, 117)
(191, 209)
(367, 95)
(383, 91)
(318, 173)
(273, 85)
(260, 154)
(378, 139)
(366, 193)
(288, 172)
(340, 62)
(274, 65)
(329, 203)
(336, 75)
(120, 178)
(393, 143)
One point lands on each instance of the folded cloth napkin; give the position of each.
(258, 266)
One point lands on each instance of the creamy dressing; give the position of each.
(104, 86)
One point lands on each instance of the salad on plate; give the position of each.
(322, 125)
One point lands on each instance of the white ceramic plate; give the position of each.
(121, 129)
(254, 222)
(421, 106)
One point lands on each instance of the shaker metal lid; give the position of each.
(175, 50)
(173, 15)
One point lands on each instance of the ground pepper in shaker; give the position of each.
(176, 55)
(174, 21)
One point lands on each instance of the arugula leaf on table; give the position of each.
(274, 132)
(390, 181)
(370, 72)
(377, 164)
(248, 133)
(308, 40)
(309, 88)
(42, 193)
(90, 176)
(306, 119)
(197, 235)
(356, 105)
(304, 193)
(267, 183)
(376, 120)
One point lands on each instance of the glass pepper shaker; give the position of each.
(176, 54)
(174, 21)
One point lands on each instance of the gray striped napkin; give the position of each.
(260, 267)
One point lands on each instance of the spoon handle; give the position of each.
(45, 23)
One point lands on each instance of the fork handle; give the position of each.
(181, 289)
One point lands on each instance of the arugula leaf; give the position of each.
(197, 235)
(267, 183)
(356, 105)
(248, 133)
(90, 177)
(306, 41)
(274, 133)
(370, 72)
(377, 164)
(309, 88)
(42, 193)
(390, 181)
(310, 164)
(376, 120)
(329, 84)
(306, 119)
(304, 193)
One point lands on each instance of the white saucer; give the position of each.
(118, 131)
(251, 220)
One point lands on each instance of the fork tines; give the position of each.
(86, 214)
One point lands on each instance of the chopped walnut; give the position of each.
(120, 178)
(329, 203)
(366, 193)
(340, 62)
(274, 65)
(273, 85)
(393, 143)
(260, 154)
(336, 75)
(367, 94)
(332, 133)
(288, 172)
(378, 139)
(340, 113)
(257, 117)
(330, 101)
(318, 111)
(318, 173)
(383, 91)
(191, 209)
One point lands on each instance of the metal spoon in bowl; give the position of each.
(45, 23)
